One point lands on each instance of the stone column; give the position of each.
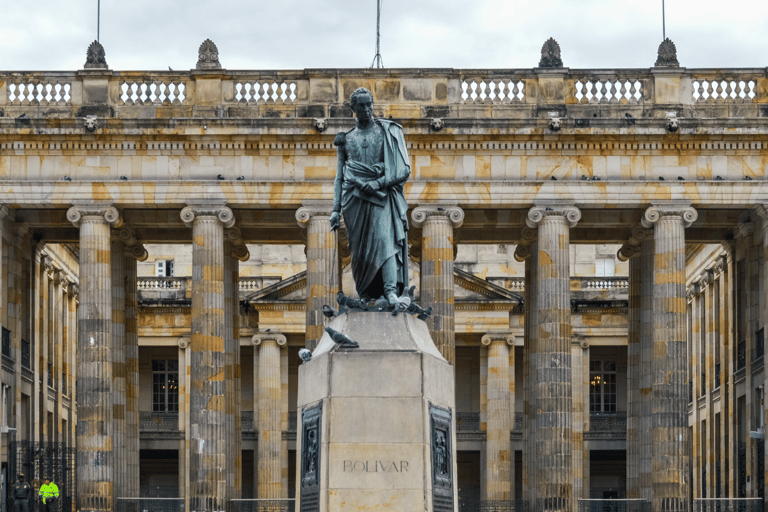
(234, 250)
(134, 251)
(270, 456)
(527, 251)
(550, 358)
(580, 456)
(500, 419)
(671, 457)
(95, 456)
(630, 251)
(210, 452)
(323, 275)
(645, 439)
(437, 255)
(119, 372)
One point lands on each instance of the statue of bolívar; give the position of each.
(372, 168)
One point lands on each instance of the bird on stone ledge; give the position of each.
(341, 339)
(305, 355)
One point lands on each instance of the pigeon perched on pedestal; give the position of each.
(341, 339)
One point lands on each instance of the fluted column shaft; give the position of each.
(131, 352)
(669, 415)
(210, 454)
(232, 375)
(498, 458)
(550, 358)
(530, 254)
(118, 362)
(437, 256)
(633, 379)
(631, 251)
(269, 444)
(322, 268)
(95, 455)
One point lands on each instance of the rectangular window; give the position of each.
(164, 268)
(602, 386)
(165, 385)
(605, 267)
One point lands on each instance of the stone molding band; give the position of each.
(492, 337)
(108, 213)
(454, 214)
(655, 213)
(222, 213)
(537, 214)
(260, 337)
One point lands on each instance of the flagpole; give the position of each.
(663, 22)
(98, 19)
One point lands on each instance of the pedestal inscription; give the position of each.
(442, 476)
(311, 421)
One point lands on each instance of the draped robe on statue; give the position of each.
(377, 224)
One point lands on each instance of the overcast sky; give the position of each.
(295, 34)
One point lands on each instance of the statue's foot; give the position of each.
(392, 299)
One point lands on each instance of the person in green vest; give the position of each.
(49, 493)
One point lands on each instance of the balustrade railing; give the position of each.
(608, 422)
(158, 421)
(150, 505)
(475, 505)
(263, 505)
(741, 354)
(26, 355)
(6, 342)
(467, 421)
(614, 505)
(728, 505)
(315, 93)
(603, 283)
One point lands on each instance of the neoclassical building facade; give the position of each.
(592, 243)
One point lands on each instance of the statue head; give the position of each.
(361, 102)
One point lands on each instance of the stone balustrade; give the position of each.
(402, 93)
(157, 288)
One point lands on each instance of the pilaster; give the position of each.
(438, 223)
(550, 372)
(95, 455)
(270, 446)
(210, 361)
(500, 411)
(323, 269)
(671, 458)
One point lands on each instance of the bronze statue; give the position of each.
(372, 168)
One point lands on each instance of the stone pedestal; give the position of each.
(376, 423)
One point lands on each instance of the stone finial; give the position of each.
(208, 56)
(667, 55)
(550, 55)
(95, 57)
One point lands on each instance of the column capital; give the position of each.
(239, 249)
(135, 248)
(309, 211)
(686, 212)
(498, 337)
(537, 214)
(183, 342)
(632, 246)
(105, 212)
(421, 213)
(219, 211)
(6, 212)
(523, 249)
(260, 337)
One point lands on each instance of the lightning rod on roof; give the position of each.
(377, 62)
